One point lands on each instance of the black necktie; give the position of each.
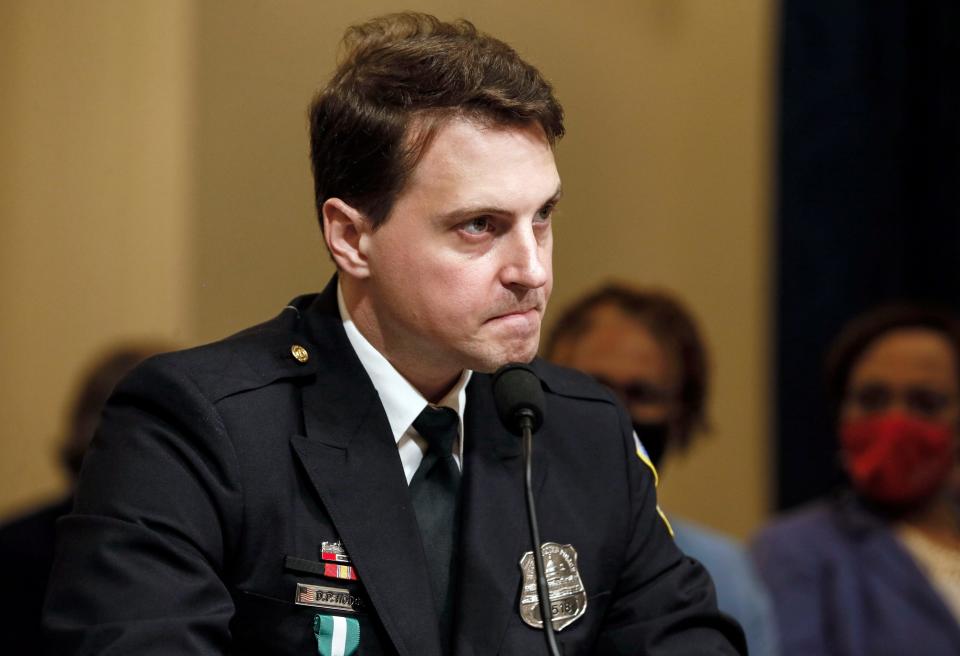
(435, 489)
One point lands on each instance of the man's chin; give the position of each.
(519, 353)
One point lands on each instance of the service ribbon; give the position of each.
(336, 636)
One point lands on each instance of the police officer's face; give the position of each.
(460, 272)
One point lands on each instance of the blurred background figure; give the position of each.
(646, 347)
(868, 122)
(876, 569)
(27, 543)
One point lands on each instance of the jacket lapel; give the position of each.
(353, 463)
(494, 532)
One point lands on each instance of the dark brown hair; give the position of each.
(411, 70)
(858, 334)
(669, 322)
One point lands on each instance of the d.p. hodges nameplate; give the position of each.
(568, 598)
(321, 596)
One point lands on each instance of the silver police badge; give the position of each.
(568, 599)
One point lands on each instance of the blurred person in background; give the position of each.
(646, 347)
(876, 569)
(27, 543)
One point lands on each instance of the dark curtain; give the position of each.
(868, 203)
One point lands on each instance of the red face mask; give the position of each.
(897, 460)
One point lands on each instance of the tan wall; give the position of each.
(95, 217)
(665, 173)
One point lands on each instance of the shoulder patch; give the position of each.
(645, 458)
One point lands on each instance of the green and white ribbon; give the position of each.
(336, 636)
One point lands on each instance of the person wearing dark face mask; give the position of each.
(646, 347)
(876, 569)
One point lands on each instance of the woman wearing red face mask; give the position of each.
(876, 571)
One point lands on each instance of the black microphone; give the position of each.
(518, 395)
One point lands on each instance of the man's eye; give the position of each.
(477, 226)
(545, 213)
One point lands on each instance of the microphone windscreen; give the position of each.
(517, 388)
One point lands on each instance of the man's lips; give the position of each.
(520, 312)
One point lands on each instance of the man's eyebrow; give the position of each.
(557, 195)
(478, 210)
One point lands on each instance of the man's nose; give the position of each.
(527, 261)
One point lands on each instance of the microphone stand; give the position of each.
(543, 592)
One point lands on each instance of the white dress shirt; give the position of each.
(401, 400)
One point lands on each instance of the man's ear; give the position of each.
(343, 228)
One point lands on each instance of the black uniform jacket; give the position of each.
(218, 473)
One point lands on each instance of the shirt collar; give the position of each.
(401, 400)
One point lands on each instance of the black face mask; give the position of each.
(653, 436)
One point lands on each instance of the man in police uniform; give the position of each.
(297, 488)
